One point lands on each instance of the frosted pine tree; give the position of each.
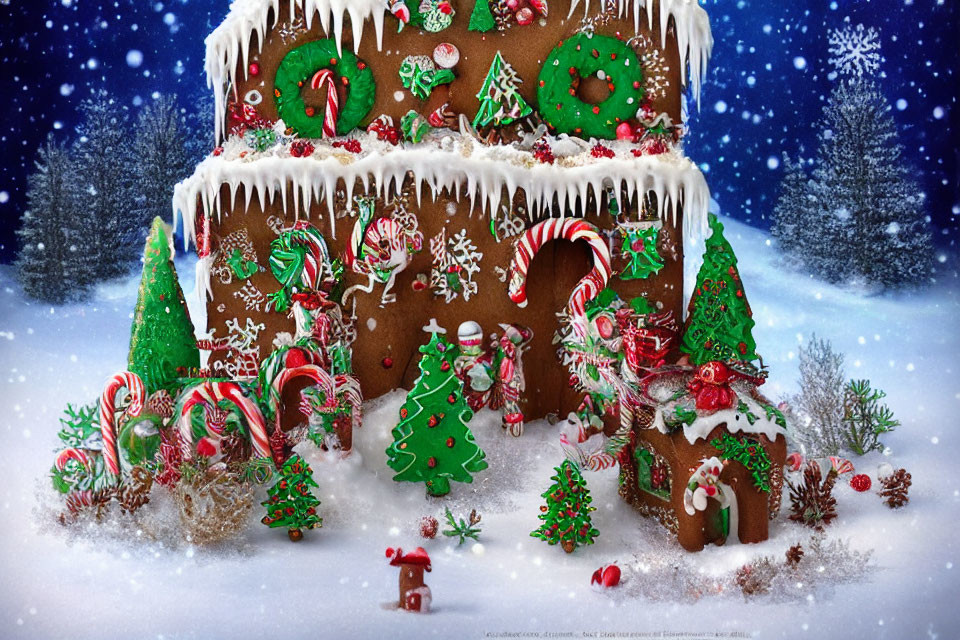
(162, 155)
(500, 99)
(106, 190)
(790, 213)
(877, 226)
(53, 265)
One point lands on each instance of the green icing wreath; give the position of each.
(582, 56)
(296, 70)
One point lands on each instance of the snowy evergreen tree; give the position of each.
(790, 214)
(163, 156)
(107, 189)
(870, 212)
(53, 265)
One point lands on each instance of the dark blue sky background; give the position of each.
(766, 88)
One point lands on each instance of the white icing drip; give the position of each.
(704, 424)
(482, 171)
(229, 44)
(694, 37)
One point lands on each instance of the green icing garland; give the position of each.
(579, 57)
(296, 70)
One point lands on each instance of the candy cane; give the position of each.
(108, 426)
(333, 101)
(350, 387)
(67, 455)
(572, 229)
(312, 371)
(297, 256)
(209, 394)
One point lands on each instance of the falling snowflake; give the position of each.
(856, 50)
(455, 262)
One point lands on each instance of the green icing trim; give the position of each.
(582, 56)
(296, 70)
(750, 454)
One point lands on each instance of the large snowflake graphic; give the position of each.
(855, 50)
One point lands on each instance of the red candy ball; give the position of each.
(254, 69)
(387, 362)
(861, 482)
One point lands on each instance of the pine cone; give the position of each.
(811, 502)
(794, 555)
(895, 488)
(755, 578)
(135, 493)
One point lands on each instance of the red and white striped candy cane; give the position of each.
(349, 386)
(312, 371)
(209, 394)
(333, 100)
(67, 455)
(572, 229)
(108, 405)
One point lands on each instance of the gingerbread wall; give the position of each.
(394, 330)
(523, 47)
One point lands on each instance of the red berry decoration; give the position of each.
(433, 421)
(861, 482)
(600, 151)
(254, 69)
(543, 153)
(295, 358)
(352, 145)
(452, 398)
(429, 527)
(445, 366)
(450, 442)
(432, 462)
(387, 362)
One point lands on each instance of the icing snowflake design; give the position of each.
(252, 297)
(276, 224)
(855, 50)
(455, 262)
(243, 356)
(655, 67)
(292, 30)
(510, 225)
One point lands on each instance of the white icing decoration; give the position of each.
(735, 422)
(253, 97)
(464, 168)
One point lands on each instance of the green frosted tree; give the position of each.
(162, 340)
(566, 515)
(721, 322)
(432, 443)
(482, 18)
(500, 99)
(291, 504)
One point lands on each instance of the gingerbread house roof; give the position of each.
(229, 44)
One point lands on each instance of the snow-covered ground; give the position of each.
(337, 583)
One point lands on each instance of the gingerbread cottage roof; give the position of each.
(229, 44)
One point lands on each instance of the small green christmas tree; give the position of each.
(162, 340)
(291, 504)
(566, 516)
(432, 443)
(482, 18)
(721, 322)
(500, 99)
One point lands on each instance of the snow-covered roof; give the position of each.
(735, 421)
(229, 43)
(446, 161)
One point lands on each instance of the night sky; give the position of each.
(766, 89)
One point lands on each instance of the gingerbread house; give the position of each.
(469, 161)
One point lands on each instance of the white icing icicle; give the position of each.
(229, 44)
(694, 38)
(486, 174)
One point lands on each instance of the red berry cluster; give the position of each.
(385, 130)
(542, 152)
(600, 151)
(301, 149)
(352, 145)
